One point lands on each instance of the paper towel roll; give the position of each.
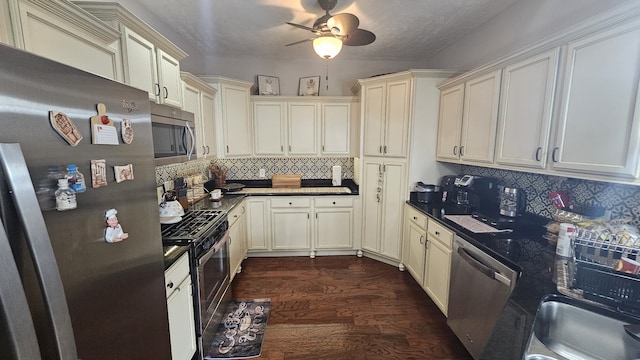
(336, 175)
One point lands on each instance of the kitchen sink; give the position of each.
(565, 328)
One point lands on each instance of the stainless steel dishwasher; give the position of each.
(479, 289)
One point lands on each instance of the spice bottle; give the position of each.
(75, 179)
(65, 197)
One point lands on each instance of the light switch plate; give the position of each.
(262, 174)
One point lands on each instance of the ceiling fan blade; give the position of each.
(301, 26)
(359, 37)
(299, 42)
(343, 24)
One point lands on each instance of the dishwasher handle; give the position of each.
(487, 271)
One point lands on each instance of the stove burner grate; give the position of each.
(194, 226)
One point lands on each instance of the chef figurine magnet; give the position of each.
(113, 233)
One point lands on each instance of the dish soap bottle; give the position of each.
(65, 197)
(75, 179)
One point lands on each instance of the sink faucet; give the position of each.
(633, 331)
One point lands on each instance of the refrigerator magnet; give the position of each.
(98, 173)
(123, 173)
(113, 232)
(102, 129)
(127, 131)
(65, 127)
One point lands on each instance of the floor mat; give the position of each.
(241, 331)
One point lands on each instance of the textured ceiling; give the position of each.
(406, 30)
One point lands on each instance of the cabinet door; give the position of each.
(393, 200)
(372, 205)
(235, 118)
(437, 274)
(181, 322)
(169, 79)
(480, 118)
(599, 121)
(450, 123)
(140, 68)
(303, 123)
(269, 124)
(396, 132)
(236, 248)
(525, 111)
(414, 259)
(191, 103)
(374, 114)
(257, 224)
(334, 228)
(208, 122)
(291, 229)
(336, 129)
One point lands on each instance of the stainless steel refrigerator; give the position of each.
(65, 292)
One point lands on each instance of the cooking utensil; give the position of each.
(231, 187)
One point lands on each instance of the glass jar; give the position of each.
(75, 179)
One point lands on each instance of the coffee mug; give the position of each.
(216, 194)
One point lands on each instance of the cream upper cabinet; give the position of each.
(386, 112)
(598, 122)
(450, 123)
(199, 98)
(269, 123)
(480, 118)
(60, 31)
(303, 128)
(336, 128)
(383, 198)
(526, 107)
(233, 116)
(150, 62)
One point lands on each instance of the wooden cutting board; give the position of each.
(290, 181)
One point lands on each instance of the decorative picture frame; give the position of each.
(268, 85)
(309, 86)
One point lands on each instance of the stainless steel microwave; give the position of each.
(174, 137)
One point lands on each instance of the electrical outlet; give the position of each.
(262, 174)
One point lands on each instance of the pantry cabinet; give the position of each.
(198, 97)
(383, 196)
(386, 107)
(180, 309)
(237, 238)
(233, 116)
(598, 122)
(526, 105)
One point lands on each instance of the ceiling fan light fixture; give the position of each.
(327, 47)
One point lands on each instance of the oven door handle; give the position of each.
(214, 249)
(487, 271)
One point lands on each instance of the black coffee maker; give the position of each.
(468, 193)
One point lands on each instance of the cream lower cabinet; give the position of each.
(438, 264)
(333, 222)
(383, 198)
(238, 238)
(258, 234)
(415, 239)
(180, 309)
(291, 223)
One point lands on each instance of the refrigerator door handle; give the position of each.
(14, 309)
(19, 182)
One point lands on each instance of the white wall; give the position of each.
(524, 23)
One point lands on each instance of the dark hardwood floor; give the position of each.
(345, 307)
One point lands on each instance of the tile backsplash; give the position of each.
(249, 168)
(619, 200)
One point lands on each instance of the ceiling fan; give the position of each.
(333, 31)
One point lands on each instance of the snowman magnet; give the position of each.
(113, 232)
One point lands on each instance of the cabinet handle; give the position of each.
(227, 149)
(455, 150)
(415, 218)
(170, 285)
(553, 154)
(462, 150)
(204, 150)
(538, 153)
(426, 243)
(322, 148)
(334, 203)
(380, 151)
(421, 238)
(281, 148)
(385, 149)
(166, 92)
(208, 150)
(157, 89)
(290, 203)
(438, 233)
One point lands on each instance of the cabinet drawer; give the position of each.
(290, 202)
(417, 217)
(235, 214)
(176, 274)
(442, 233)
(334, 202)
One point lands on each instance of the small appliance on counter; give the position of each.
(470, 193)
(427, 194)
(513, 202)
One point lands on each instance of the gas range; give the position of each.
(195, 227)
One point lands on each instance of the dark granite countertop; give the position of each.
(306, 183)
